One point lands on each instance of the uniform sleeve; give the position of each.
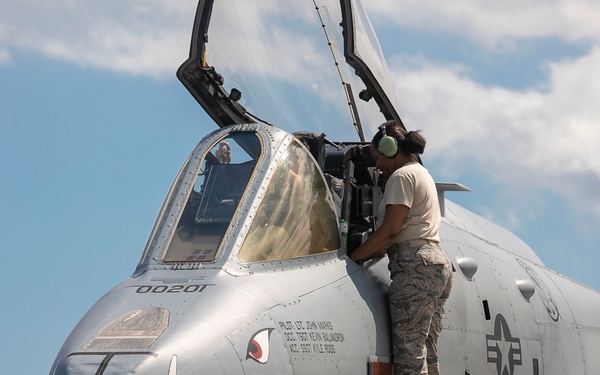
(400, 189)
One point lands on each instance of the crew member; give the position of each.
(408, 226)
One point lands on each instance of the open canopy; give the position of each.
(299, 65)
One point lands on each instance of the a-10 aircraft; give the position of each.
(246, 270)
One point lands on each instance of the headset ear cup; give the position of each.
(388, 146)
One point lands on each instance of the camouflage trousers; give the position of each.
(421, 283)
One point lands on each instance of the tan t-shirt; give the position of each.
(413, 186)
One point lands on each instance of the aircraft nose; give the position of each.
(181, 337)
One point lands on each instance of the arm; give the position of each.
(375, 245)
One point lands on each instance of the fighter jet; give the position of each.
(246, 270)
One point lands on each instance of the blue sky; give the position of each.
(94, 126)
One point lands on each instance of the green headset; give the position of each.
(388, 145)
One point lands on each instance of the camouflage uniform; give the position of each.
(421, 282)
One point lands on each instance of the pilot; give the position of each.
(223, 154)
(409, 220)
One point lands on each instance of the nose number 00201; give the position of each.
(171, 289)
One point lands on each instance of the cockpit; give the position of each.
(251, 188)
(249, 192)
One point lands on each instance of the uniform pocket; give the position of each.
(432, 255)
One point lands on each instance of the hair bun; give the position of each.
(414, 143)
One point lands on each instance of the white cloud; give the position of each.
(525, 140)
(495, 23)
(137, 36)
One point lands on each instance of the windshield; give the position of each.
(221, 181)
(295, 217)
(287, 59)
